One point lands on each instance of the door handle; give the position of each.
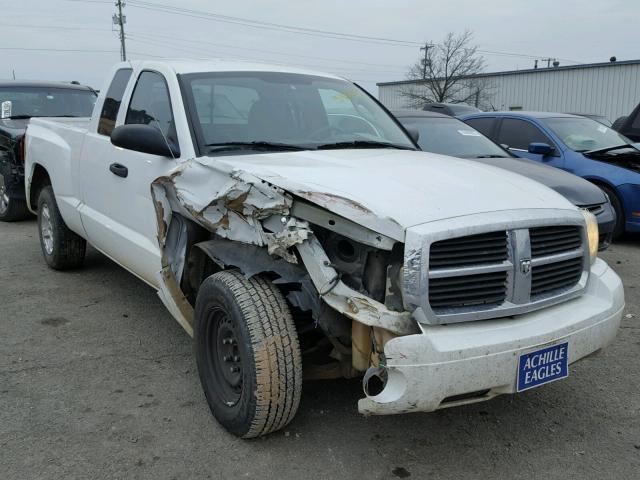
(119, 170)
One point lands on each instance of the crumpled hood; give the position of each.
(577, 190)
(391, 190)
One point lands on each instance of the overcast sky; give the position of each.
(570, 30)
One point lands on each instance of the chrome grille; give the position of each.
(467, 290)
(471, 250)
(457, 270)
(555, 276)
(552, 240)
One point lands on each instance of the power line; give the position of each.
(302, 30)
(265, 25)
(145, 38)
(343, 70)
(56, 50)
(251, 49)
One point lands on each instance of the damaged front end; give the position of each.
(342, 280)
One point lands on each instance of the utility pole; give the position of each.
(425, 60)
(548, 60)
(120, 20)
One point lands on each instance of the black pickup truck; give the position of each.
(19, 101)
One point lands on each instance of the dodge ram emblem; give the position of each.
(525, 266)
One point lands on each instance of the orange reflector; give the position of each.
(635, 214)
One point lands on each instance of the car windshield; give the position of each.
(278, 110)
(584, 134)
(449, 136)
(46, 102)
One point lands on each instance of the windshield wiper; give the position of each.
(608, 149)
(362, 144)
(490, 156)
(226, 146)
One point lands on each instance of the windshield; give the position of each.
(584, 134)
(285, 109)
(46, 102)
(449, 136)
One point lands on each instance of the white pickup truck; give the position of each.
(287, 221)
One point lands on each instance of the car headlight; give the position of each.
(593, 234)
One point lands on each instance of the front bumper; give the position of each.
(447, 365)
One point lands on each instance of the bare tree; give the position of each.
(446, 73)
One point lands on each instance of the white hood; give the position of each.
(391, 190)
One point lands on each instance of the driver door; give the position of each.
(127, 229)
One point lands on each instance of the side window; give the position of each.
(520, 133)
(483, 125)
(150, 104)
(112, 101)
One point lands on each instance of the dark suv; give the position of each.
(19, 101)
(451, 109)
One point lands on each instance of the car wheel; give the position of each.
(11, 209)
(62, 248)
(248, 354)
(618, 230)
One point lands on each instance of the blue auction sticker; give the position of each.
(543, 366)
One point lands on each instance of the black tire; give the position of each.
(11, 209)
(245, 324)
(62, 248)
(619, 228)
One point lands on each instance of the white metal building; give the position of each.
(611, 89)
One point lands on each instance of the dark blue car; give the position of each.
(578, 145)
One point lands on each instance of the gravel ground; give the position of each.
(98, 381)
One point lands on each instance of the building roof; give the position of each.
(529, 70)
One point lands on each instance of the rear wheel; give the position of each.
(11, 209)
(247, 353)
(62, 248)
(618, 230)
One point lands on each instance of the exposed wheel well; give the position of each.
(602, 183)
(39, 180)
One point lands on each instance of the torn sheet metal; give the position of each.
(251, 260)
(349, 302)
(227, 202)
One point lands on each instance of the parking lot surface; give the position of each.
(98, 381)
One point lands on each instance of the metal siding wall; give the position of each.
(612, 90)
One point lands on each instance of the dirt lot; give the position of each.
(98, 381)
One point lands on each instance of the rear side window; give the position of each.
(484, 125)
(150, 104)
(112, 101)
(519, 134)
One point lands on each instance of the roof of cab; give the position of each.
(42, 84)
(186, 66)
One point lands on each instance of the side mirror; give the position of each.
(145, 139)
(414, 134)
(543, 149)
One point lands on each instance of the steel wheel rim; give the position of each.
(4, 196)
(224, 357)
(46, 229)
